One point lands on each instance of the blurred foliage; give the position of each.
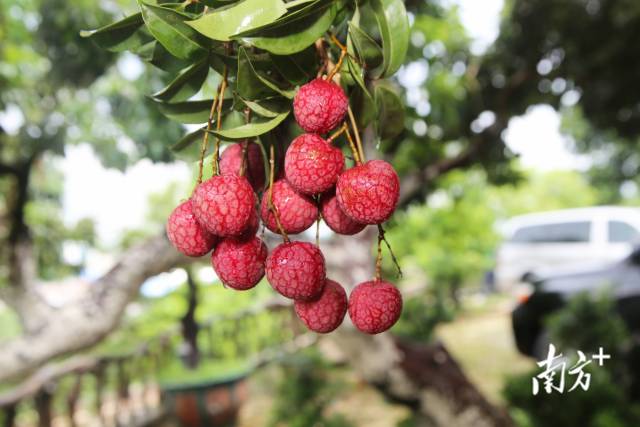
(304, 392)
(451, 239)
(60, 89)
(611, 399)
(542, 192)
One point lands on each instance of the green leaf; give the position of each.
(188, 139)
(224, 23)
(296, 3)
(297, 68)
(267, 108)
(364, 108)
(169, 28)
(291, 16)
(394, 30)
(390, 111)
(295, 35)
(367, 50)
(186, 84)
(251, 129)
(120, 36)
(254, 85)
(356, 73)
(190, 112)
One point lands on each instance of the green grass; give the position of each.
(481, 340)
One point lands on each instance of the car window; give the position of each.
(620, 232)
(562, 232)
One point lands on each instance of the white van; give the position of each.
(582, 239)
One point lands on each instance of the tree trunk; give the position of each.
(424, 376)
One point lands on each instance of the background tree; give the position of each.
(576, 54)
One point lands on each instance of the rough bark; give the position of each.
(77, 326)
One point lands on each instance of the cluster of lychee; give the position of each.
(222, 215)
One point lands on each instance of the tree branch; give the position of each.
(6, 169)
(413, 185)
(84, 323)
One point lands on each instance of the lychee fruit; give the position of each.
(252, 226)
(369, 193)
(320, 106)
(223, 204)
(296, 270)
(375, 306)
(231, 163)
(335, 218)
(296, 211)
(239, 263)
(326, 313)
(186, 234)
(312, 165)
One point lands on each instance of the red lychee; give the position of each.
(337, 220)
(312, 165)
(239, 263)
(231, 163)
(296, 270)
(375, 306)
(369, 193)
(253, 226)
(297, 212)
(320, 106)
(186, 234)
(223, 204)
(326, 313)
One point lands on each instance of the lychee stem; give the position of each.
(245, 146)
(353, 147)
(382, 238)
(220, 95)
(356, 133)
(345, 129)
(243, 164)
(272, 207)
(324, 58)
(343, 53)
(205, 139)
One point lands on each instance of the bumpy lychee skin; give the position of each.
(369, 193)
(375, 306)
(297, 212)
(312, 165)
(335, 218)
(296, 270)
(320, 106)
(186, 234)
(326, 313)
(223, 205)
(252, 226)
(231, 163)
(239, 263)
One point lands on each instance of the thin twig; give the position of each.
(356, 133)
(382, 238)
(216, 153)
(343, 53)
(353, 147)
(205, 139)
(244, 166)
